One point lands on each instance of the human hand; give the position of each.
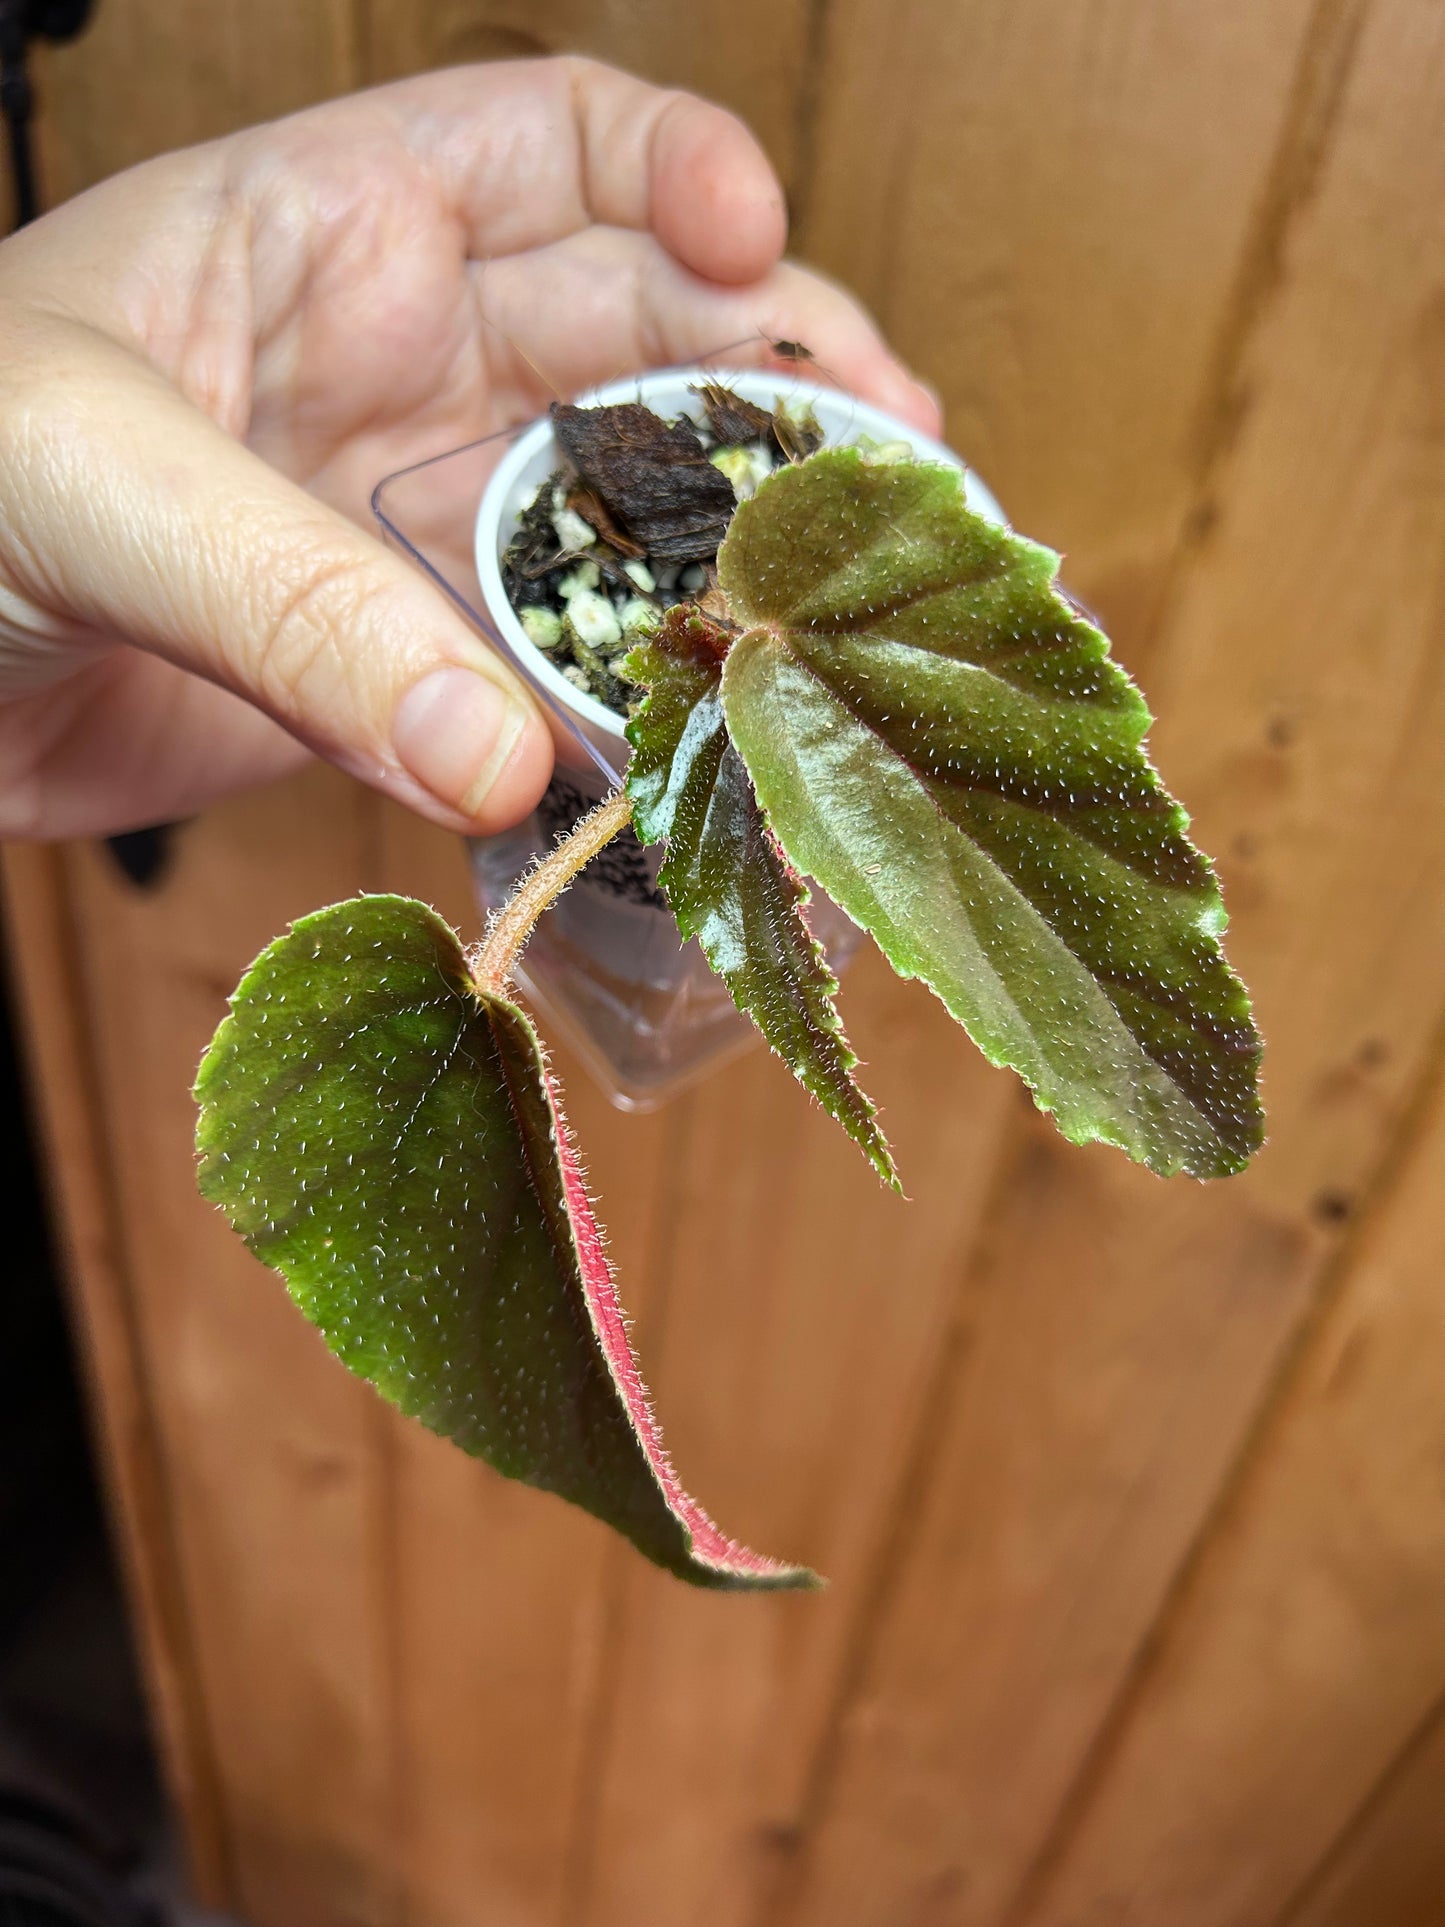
(207, 362)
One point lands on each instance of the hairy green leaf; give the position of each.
(942, 740)
(390, 1140)
(725, 878)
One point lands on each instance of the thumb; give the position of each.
(126, 512)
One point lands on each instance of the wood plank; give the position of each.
(436, 1523)
(682, 1800)
(636, 1741)
(724, 49)
(401, 40)
(708, 1292)
(1310, 1644)
(267, 1454)
(1119, 1334)
(361, 1580)
(1128, 1331)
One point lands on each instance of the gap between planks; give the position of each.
(816, 37)
(902, 1518)
(362, 47)
(395, 1874)
(1390, 1172)
(1374, 1802)
(1307, 133)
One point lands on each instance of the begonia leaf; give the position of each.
(725, 878)
(390, 1139)
(941, 739)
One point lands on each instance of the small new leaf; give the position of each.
(943, 742)
(391, 1141)
(726, 880)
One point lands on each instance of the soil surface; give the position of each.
(631, 522)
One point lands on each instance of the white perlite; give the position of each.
(745, 468)
(572, 532)
(638, 617)
(594, 619)
(883, 453)
(586, 575)
(543, 627)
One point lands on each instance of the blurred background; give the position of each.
(1132, 1495)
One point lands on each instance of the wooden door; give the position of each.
(1132, 1495)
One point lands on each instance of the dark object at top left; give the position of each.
(50, 19)
(22, 21)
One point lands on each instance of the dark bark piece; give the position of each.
(654, 477)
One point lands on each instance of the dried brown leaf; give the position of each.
(654, 477)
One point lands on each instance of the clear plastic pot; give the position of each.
(606, 964)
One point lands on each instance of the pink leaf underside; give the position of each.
(710, 1546)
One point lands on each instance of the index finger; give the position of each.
(529, 152)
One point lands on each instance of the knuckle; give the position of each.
(310, 648)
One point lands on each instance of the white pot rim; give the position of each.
(533, 456)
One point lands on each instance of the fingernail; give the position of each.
(932, 393)
(908, 388)
(454, 730)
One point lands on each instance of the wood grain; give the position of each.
(268, 1448)
(1349, 390)
(504, 1598)
(708, 1801)
(226, 1580)
(806, 1317)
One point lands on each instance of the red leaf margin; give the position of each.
(708, 1543)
